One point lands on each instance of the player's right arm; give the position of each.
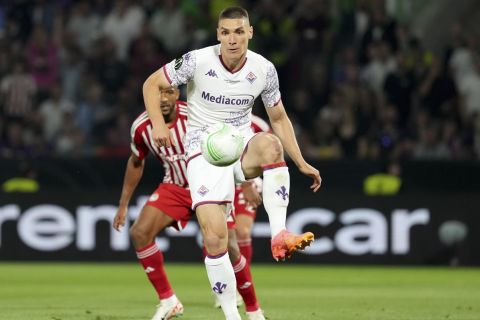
(133, 174)
(175, 73)
(152, 87)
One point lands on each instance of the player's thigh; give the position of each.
(212, 220)
(151, 221)
(169, 205)
(260, 150)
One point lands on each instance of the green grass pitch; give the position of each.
(107, 291)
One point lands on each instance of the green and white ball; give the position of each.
(222, 144)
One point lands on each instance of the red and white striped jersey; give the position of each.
(259, 125)
(172, 158)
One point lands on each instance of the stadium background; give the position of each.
(372, 87)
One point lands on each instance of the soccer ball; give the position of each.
(222, 144)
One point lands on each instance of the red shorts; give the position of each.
(241, 206)
(176, 202)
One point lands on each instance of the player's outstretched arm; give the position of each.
(152, 88)
(283, 129)
(133, 174)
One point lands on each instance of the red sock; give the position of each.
(245, 284)
(152, 261)
(246, 249)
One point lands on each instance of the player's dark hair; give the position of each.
(233, 13)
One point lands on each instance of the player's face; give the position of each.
(233, 35)
(168, 98)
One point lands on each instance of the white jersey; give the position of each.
(215, 94)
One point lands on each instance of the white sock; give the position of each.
(276, 193)
(223, 283)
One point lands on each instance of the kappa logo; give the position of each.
(149, 269)
(282, 192)
(211, 73)
(202, 190)
(251, 77)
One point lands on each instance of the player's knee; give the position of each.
(215, 244)
(139, 237)
(243, 233)
(272, 149)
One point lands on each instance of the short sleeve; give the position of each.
(271, 94)
(137, 145)
(181, 70)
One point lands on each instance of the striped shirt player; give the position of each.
(175, 184)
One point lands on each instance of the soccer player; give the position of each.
(247, 199)
(223, 82)
(170, 205)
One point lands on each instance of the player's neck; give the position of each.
(234, 64)
(170, 119)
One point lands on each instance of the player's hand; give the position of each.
(119, 220)
(161, 136)
(313, 173)
(251, 194)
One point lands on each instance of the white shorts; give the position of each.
(209, 183)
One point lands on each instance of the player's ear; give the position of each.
(218, 34)
(250, 32)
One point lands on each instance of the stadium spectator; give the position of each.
(122, 25)
(43, 60)
(17, 93)
(52, 111)
(168, 25)
(83, 26)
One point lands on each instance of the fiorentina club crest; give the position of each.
(251, 77)
(282, 192)
(202, 190)
(219, 287)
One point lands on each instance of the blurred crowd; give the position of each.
(356, 83)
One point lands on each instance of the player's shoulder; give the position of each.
(140, 122)
(207, 53)
(258, 59)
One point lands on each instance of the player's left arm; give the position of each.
(133, 174)
(283, 129)
(251, 194)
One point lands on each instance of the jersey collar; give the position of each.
(232, 71)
